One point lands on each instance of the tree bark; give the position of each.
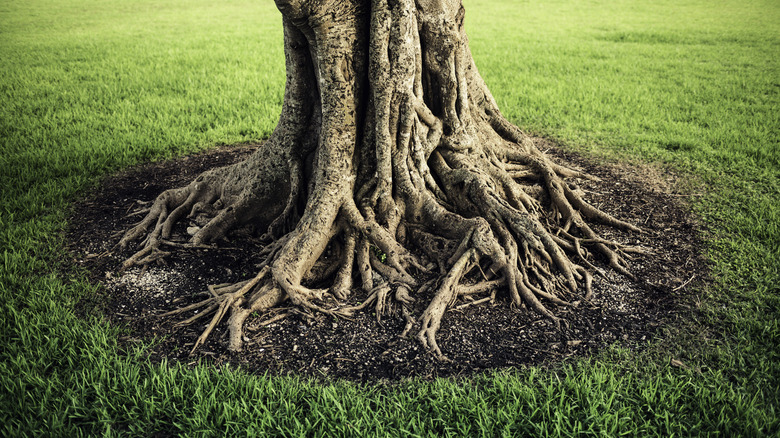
(390, 152)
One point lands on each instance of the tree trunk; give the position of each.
(392, 154)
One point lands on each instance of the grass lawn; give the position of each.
(89, 87)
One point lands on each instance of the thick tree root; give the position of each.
(408, 179)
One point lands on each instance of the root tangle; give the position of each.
(392, 172)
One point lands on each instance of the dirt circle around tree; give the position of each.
(475, 337)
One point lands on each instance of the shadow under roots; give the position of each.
(287, 340)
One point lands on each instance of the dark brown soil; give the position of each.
(476, 338)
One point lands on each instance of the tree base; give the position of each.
(390, 162)
(474, 256)
(476, 337)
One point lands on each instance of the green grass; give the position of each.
(90, 87)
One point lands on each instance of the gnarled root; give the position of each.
(514, 248)
(258, 192)
(411, 178)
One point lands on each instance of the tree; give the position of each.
(392, 166)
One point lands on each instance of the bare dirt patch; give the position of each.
(475, 337)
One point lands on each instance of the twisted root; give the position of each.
(414, 183)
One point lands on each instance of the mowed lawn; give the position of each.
(93, 86)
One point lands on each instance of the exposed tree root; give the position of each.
(393, 171)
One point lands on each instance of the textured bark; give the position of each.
(391, 152)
